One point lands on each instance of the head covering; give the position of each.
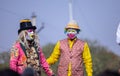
(72, 24)
(26, 24)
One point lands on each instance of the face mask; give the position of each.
(71, 33)
(30, 34)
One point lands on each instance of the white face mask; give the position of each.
(30, 34)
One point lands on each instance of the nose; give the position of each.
(32, 36)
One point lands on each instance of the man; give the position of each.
(118, 35)
(72, 52)
(26, 51)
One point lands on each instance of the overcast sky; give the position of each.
(98, 20)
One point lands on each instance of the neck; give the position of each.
(72, 39)
(30, 43)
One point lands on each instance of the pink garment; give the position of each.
(18, 60)
(73, 56)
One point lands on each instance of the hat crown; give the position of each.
(26, 24)
(72, 24)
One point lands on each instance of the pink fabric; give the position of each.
(73, 55)
(18, 62)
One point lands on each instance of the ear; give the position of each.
(78, 31)
(65, 30)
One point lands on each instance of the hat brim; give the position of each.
(78, 30)
(33, 27)
(72, 28)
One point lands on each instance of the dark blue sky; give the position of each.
(98, 20)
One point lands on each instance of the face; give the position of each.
(71, 33)
(30, 34)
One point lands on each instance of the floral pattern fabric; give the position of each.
(18, 60)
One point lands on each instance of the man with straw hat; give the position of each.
(72, 53)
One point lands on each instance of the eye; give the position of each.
(68, 30)
(73, 31)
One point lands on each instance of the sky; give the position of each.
(98, 20)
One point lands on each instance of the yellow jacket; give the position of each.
(87, 60)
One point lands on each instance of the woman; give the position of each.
(26, 51)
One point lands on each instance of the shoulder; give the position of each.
(14, 50)
(15, 46)
(63, 40)
(80, 40)
(85, 43)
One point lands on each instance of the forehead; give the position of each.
(71, 29)
(30, 30)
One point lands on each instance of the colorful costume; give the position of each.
(72, 54)
(22, 57)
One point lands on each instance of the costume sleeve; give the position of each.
(87, 60)
(14, 53)
(55, 54)
(44, 64)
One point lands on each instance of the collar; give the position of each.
(72, 40)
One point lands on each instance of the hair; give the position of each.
(23, 40)
(28, 72)
(8, 72)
